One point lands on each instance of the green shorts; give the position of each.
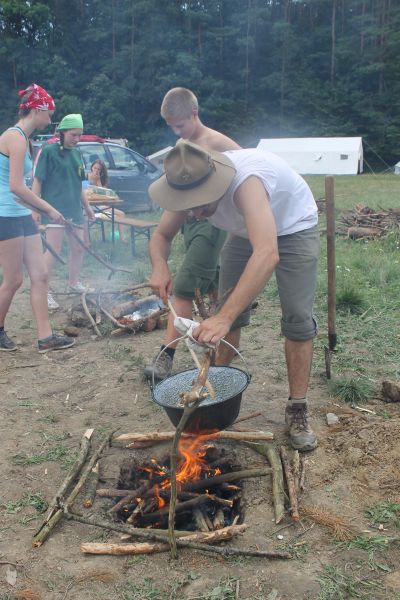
(203, 243)
(296, 277)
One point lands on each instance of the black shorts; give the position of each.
(12, 227)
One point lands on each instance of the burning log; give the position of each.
(164, 436)
(200, 520)
(219, 519)
(91, 485)
(128, 496)
(211, 482)
(294, 509)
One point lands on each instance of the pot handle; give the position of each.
(178, 339)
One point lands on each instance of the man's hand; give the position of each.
(161, 284)
(212, 330)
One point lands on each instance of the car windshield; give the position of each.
(125, 159)
(92, 152)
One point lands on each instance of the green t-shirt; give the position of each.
(61, 173)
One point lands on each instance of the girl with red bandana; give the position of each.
(20, 243)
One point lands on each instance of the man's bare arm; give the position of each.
(159, 249)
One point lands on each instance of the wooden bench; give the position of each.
(138, 227)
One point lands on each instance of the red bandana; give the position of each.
(37, 98)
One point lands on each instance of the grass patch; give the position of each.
(58, 453)
(35, 500)
(350, 300)
(386, 513)
(148, 590)
(354, 390)
(339, 584)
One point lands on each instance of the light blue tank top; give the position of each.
(9, 205)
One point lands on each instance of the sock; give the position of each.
(169, 351)
(292, 401)
(46, 339)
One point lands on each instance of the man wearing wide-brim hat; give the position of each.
(271, 216)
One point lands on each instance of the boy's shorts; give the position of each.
(199, 269)
(13, 227)
(296, 277)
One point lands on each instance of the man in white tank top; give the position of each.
(271, 216)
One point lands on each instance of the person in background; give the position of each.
(98, 177)
(20, 242)
(203, 241)
(272, 218)
(58, 179)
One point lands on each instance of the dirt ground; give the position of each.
(48, 401)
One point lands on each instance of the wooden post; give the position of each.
(331, 264)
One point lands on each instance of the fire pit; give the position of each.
(206, 500)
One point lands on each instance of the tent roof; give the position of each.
(312, 144)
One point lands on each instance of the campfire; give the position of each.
(207, 501)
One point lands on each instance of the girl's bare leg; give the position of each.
(76, 253)
(35, 264)
(54, 235)
(11, 261)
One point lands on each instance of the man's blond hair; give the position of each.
(179, 103)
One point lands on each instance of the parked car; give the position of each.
(130, 173)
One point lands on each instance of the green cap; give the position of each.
(71, 122)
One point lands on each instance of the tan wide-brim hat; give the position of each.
(193, 177)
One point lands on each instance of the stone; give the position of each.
(331, 419)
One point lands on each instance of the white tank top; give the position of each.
(291, 200)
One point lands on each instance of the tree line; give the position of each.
(260, 68)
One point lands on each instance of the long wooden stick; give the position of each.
(165, 436)
(331, 267)
(294, 509)
(50, 248)
(73, 473)
(193, 354)
(70, 228)
(277, 477)
(149, 535)
(89, 316)
(188, 410)
(213, 537)
(41, 536)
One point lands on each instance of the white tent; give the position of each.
(319, 156)
(157, 159)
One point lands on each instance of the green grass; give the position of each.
(58, 453)
(385, 513)
(225, 589)
(353, 390)
(341, 584)
(35, 500)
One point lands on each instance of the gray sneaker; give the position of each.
(6, 344)
(159, 369)
(301, 435)
(55, 342)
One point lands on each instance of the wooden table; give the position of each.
(102, 203)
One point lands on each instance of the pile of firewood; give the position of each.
(365, 222)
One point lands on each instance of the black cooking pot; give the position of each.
(229, 384)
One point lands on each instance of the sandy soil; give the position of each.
(48, 401)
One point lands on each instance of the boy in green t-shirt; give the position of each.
(58, 179)
(203, 241)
